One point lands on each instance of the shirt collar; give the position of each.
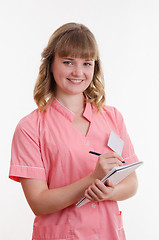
(69, 114)
(88, 112)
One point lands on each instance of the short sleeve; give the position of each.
(128, 153)
(26, 158)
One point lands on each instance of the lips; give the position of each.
(75, 80)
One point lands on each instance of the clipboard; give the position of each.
(116, 175)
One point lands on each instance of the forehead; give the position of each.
(76, 52)
(77, 46)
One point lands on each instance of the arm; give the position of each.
(124, 190)
(43, 200)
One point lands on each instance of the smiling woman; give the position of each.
(72, 75)
(69, 42)
(50, 148)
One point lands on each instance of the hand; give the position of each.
(105, 163)
(99, 192)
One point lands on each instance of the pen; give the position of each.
(98, 154)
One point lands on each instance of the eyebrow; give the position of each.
(67, 58)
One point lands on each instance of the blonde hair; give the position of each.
(74, 40)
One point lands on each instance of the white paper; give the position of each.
(115, 143)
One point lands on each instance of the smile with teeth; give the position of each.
(75, 80)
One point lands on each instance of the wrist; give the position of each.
(92, 177)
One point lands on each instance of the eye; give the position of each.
(68, 62)
(87, 64)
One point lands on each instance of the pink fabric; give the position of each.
(47, 146)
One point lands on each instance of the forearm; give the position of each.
(46, 201)
(125, 189)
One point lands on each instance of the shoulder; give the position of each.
(112, 112)
(34, 119)
(30, 123)
(30, 119)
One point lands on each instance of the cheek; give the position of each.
(61, 73)
(58, 74)
(90, 75)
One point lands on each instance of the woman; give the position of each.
(50, 149)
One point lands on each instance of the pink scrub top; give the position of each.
(47, 146)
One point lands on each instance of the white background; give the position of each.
(127, 32)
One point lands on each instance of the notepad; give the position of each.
(116, 175)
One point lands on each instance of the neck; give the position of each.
(74, 103)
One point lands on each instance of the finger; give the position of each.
(101, 186)
(109, 183)
(112, 155)
(88, 196)
(92, 193)
(109, 167)
(105, 188)
(104, 191)
(114, 161)
(110, 161)
(98, 188)
(98, 191)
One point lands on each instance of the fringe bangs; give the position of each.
(78, 45)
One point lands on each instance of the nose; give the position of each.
(77, 71)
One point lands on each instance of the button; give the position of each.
(96, 236)
(88, 143)
(93, 205)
